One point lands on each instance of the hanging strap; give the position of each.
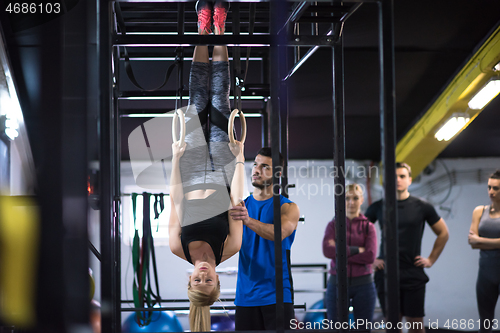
(142, 249)
(250, 32)
(239, 81)
(158, 202)
(150, 249)
(137, 261)
(219, 120)
(134, 206)
(155, 271)
(197, 121)
(128, 66)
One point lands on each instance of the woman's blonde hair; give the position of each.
(353, 188)
(199, 308)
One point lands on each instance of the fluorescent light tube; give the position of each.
(452, 127)
(485, 95)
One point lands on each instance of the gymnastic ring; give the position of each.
(178, 114)
(230, 126)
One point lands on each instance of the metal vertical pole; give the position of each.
(264, 125)
(388, 141)
(288, 55)
(339, 181)
(108, 297)
(74, 161)
(116, 237)
(180, 18)
(267, 103)
(179, 52)
(278, 12)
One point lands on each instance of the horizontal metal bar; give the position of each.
(173, 300)
(156, 58)
(306, 40)
(176, 40)
(315, 311)
(311, 270)
(309, 290)
(250, 91)
(184, 308)
(125, 111)
(229, 40)
(160, 1)
(169, 97)
(319, 19)
(171, 115)
(309, 265)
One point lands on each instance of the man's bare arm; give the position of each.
(289, 219)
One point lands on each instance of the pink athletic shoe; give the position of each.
(220, 14)
(204, 10)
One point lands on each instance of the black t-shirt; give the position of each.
(412, 215)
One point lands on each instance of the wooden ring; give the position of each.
(178, 114)
(230, 125)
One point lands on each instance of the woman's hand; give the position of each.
(474, 239)
(178, 151)
(237, 148)
(378, 264)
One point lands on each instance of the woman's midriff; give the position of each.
(198, 194)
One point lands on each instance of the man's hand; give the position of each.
(240, 213)
(378, 264)
(422, 262)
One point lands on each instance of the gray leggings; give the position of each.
(207, 159)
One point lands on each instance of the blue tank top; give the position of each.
(256, 283)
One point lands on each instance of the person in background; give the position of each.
(413, 213)
(484, 235)
(256, 285)
(361, 252)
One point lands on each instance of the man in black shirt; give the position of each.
(412, 215)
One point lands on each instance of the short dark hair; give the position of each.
(266, 151)
(403, 165)
(495, 175)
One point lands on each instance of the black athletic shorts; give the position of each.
(412, 301)
(258, 318)
(411, 291)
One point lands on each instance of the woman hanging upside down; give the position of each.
(207, 173)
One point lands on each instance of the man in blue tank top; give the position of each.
(256, 285)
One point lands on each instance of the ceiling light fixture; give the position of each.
(485, 95)
(452, 126)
